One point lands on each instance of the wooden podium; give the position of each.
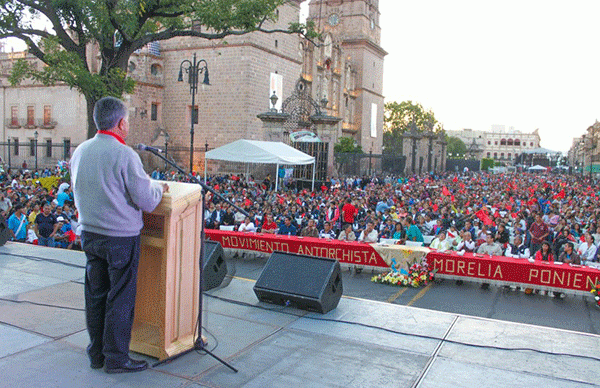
(166, 306)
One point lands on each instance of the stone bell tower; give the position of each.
(352, 26)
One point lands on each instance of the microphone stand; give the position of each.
(199, 344)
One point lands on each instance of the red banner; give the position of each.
(354, 253)
(509, 270)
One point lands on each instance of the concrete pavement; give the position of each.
(361, 343)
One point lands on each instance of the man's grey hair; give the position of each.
(108, 111)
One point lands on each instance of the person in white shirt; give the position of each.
(518, 250)
(467, 244)
(369, 235)
(440, 243)
(587, 250)
(247, 226)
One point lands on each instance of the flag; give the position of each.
(435, 207)
(483, 217)
(445, 191)
(452, 198)
(455, 179)
(508, 207)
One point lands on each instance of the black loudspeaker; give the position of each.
(5, 234)
(309, 283)
(215, 267)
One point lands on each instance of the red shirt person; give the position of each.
(539, 231)
(349, 212)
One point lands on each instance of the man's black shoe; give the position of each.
(129, 366)
(96, 364)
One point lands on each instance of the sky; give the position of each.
(522, 63)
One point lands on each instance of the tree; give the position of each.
(486, 163)
(398, 118)
(456, 147)
(118, 28)
(347, 145)
(345, 152)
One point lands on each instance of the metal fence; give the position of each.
(458, 165)
(369, 164)
(34, 154)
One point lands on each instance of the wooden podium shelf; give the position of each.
(166, 304)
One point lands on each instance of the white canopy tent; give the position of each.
(537, 167)
(262, 152)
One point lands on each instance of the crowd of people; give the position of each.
(546, 217)
(37, 214)
(549, 217)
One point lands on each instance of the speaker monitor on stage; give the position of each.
(308, 283)
(215, 267)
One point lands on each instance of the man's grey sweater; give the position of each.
(111, 187)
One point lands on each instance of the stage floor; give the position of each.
(360, 344)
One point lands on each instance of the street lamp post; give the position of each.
(167, 137)
(193, 68)
(582, 146)
(35, 143)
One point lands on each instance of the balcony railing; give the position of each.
(29, 124)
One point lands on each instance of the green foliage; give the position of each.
(347, 145)
(455, 147)
(401, 115)
(345, 151)
(487, 163)
(398, 118)
(118, 28)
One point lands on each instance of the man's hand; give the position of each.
(165, 188)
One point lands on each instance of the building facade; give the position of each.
(584, 154)
(500, 144)
(345, 71)
(39, 123)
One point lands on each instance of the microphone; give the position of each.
(143, 147)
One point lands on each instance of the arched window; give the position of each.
(509, 156)
(517, 142)
(489, 154)
(503, 142)
(501, 155)
(495, 155)
(489, 143)
(509, 142)
(531, 144)
(496, 142)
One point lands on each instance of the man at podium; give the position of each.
(111, 190)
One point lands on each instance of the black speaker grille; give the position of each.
(306, 276)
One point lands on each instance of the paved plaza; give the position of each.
(361, 343)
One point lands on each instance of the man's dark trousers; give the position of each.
(110, 286)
